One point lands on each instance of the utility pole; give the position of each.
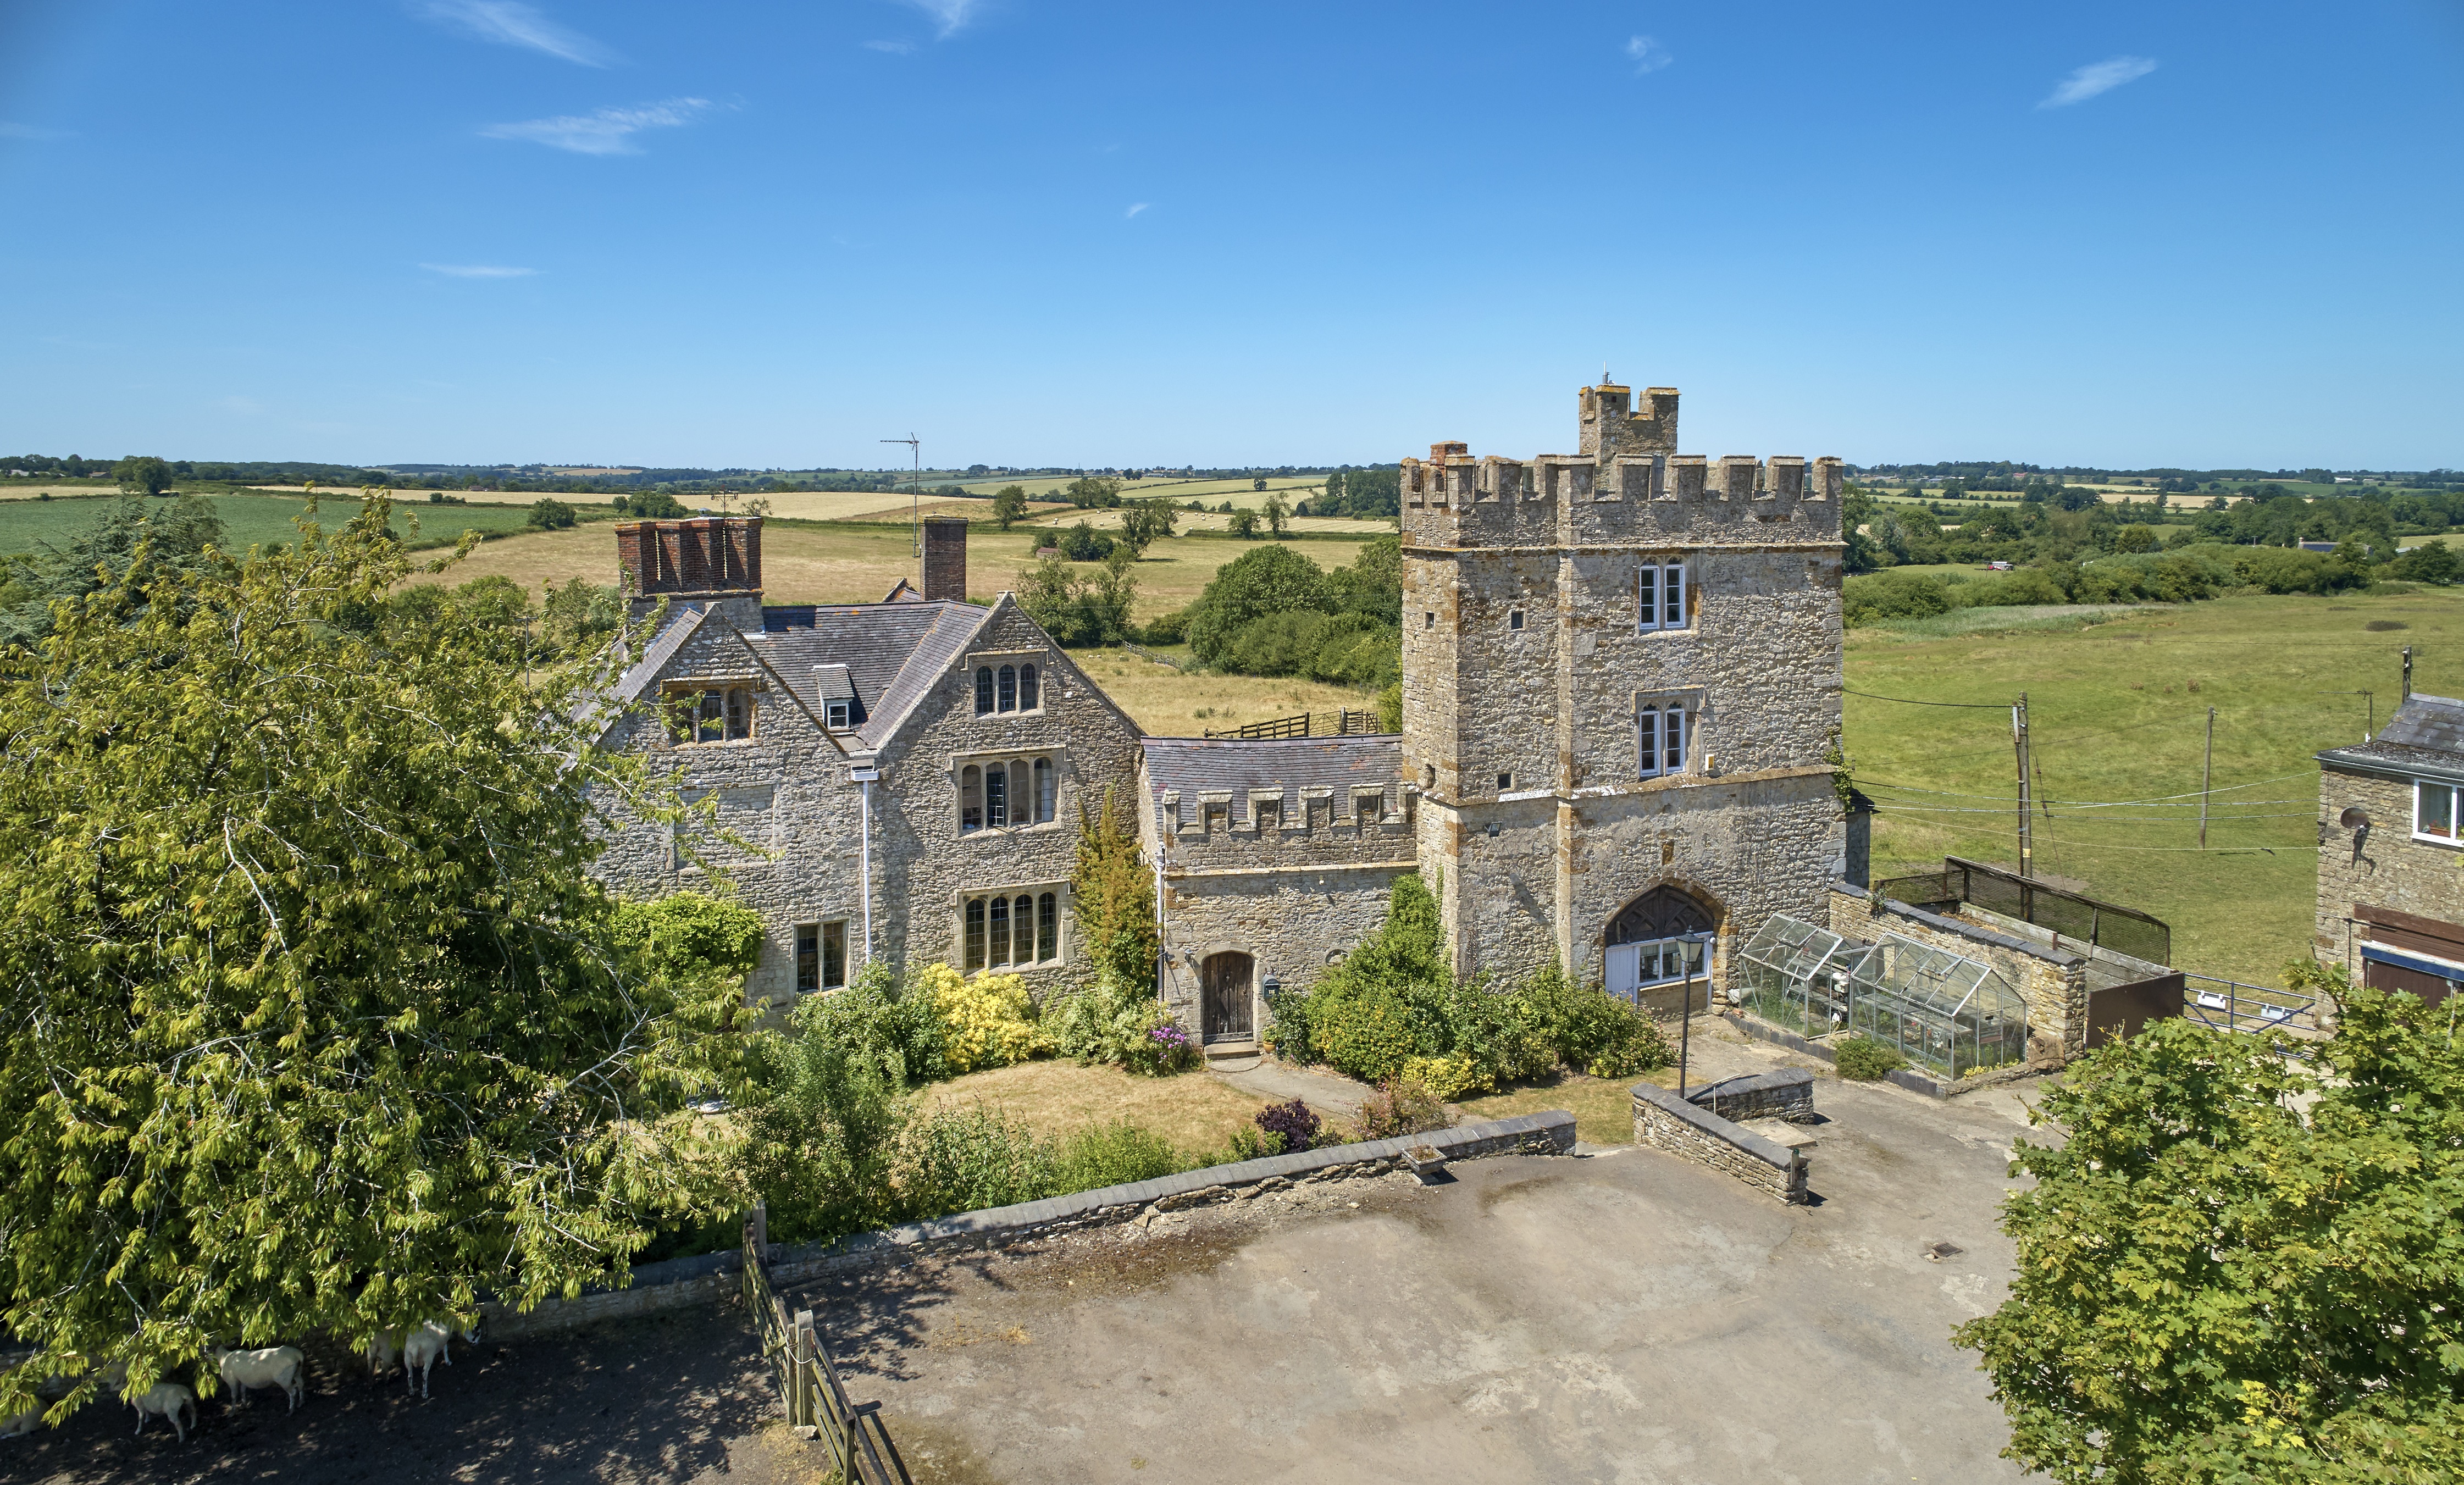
(2407, 676)
(2027, 836)
(915, 497)
(2207, 777)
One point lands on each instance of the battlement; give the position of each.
(1613, 428)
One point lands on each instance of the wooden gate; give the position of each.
(809, 1381)
(1225, 1010)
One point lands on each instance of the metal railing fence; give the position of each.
(2070, 914)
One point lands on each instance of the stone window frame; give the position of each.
(1030, 675)
(970, 953)
(2455, 794)
(822, 954)
(682, 728)
(1651, 588)
(1515, 624)
(1687, 703)
(1046, 768)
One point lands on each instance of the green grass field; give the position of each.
(2118, 708)
(28, 526)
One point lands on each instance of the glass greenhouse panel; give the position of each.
(1946, 1012)
(1797, 976)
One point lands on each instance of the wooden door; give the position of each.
(1226, 1002)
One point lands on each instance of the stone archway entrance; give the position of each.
(1659, 940)
(1227, 1000)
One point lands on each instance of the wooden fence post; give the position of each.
(805, 1408)
(760, 1224)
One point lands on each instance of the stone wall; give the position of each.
(1293, 923)
(2390, 869)
(1664, 1122)
(1783, 1093)
(2053, 982)
(685, 1282)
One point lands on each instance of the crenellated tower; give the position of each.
(1621, 673)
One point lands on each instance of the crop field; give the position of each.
(2118, 709)
(845, 563)
(1241, 492)
(1169, 704)
(250, 521)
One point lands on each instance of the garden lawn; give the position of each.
(1056, 1098)
(2118, 711)
(1603, 1107)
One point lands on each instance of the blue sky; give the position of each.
(767, 234)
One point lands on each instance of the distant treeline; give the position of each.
(2004, 476)
(2074, 524)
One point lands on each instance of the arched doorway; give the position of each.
(1227, 1000)
(1663, 938)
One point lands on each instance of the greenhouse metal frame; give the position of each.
(1944, 1012)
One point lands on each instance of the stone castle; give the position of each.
(1622, 672)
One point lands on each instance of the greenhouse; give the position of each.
(1944, 1012)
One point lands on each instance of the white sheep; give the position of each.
(422, 1349)
(165, 1399)
(26, 1421)
(384, 1353)
(274, 1366)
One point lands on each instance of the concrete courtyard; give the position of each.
(1622, 1316)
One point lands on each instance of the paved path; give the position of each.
(1327, 1092)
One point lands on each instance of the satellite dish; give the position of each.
(2354, 818)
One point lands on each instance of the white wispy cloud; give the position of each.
(2098, 78)
(512, 24)
(949, 16)
(609, 131)
(27, 131)
(895, 48)
(478, 270)
(1135, 209)
(1646, 54)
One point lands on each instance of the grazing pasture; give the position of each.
(2118, 708)
(261, 519)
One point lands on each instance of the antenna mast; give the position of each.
(915, 497)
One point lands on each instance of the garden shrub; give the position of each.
(823, 1125)
(1863, 1059)
(1114, 1154)
(1362, 1031)
(1116, 1023)
(688, 937)
(1292, 1127)
(1400, 1106)
(1447, 1078)
(966, 1159)
(987, 1021)
(1161, 1049)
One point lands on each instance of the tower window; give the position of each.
(1662, 600)
(1661, 735)
(1505, 782)
(1514, 619)
(1428, 620)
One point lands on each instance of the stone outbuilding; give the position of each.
(2390, 904)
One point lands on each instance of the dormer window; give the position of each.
(835, 713)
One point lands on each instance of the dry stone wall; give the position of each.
(1664, 1122)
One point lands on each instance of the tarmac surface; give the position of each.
(1624, 1316)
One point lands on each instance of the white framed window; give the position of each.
(1663, 730)
(835, 714)
(2435, 811)
(1662, 597)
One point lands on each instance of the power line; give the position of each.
(1969, 706)
(2151, 800)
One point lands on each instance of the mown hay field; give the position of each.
(27, 526)
(2118, 709)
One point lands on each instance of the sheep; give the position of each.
(384, 1353)
(422, 1349)
(26, 1421)
(165, 1399)
(274, 1366)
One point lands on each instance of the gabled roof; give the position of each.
(1236, 766)
(884, 655)
(2426, 736)
(904, 593)
(684, 622)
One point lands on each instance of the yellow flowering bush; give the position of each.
(1448, 1077)
(987, 1021)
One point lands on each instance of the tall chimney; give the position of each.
(945, 558)
(715, 559)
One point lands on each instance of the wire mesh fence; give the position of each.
(2072, 916)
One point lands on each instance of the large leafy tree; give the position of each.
(312, 1018)
(2245, 1261)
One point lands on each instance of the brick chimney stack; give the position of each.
(714, 557)
(945, 558)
